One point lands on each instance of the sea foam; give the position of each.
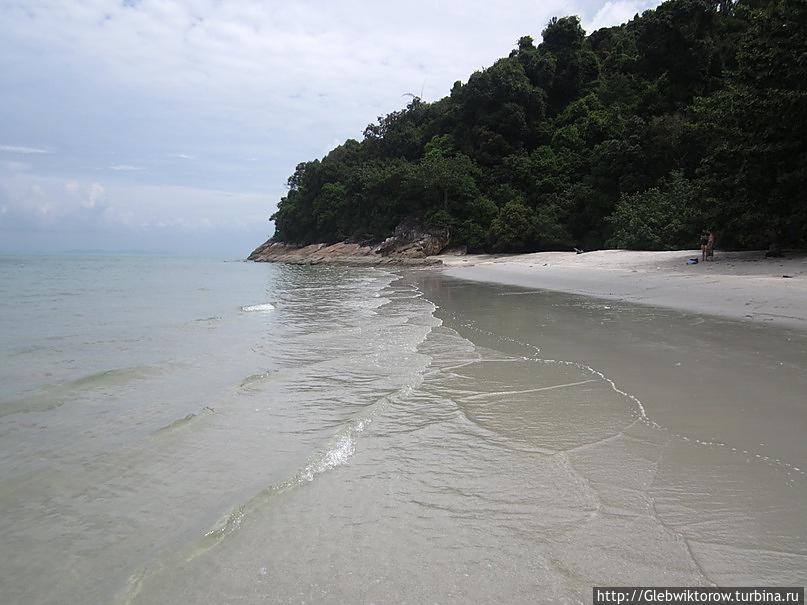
(262, 308)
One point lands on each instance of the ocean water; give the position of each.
(199, 431)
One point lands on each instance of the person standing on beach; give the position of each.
(710, 245)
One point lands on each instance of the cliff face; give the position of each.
(409, 245)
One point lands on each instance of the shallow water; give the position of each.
(189, 431)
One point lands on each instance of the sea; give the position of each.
(210, 431)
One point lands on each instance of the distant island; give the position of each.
(690, 116)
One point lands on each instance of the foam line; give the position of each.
(551, 388)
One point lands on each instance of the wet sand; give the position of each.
(738, 285)
(716, 462)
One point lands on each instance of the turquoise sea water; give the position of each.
(82, 320)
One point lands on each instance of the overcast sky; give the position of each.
(173, 126)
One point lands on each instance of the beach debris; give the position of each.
(692, 261)
(787, 276)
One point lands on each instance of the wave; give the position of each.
(259, 377)
(115, 376)
(181, 422)
(337, 452)
(52, 396)
(261, 308)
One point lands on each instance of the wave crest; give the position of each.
(261, 308)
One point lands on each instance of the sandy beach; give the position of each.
(736, 285)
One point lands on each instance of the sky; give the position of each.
(171, 127)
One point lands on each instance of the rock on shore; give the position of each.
(409, 245)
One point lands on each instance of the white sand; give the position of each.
(737, 285)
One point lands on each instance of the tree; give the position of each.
(513, 228)
(661, 218)
(755, 169)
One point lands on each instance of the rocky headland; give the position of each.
(410, 244)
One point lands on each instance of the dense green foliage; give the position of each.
(691, 115)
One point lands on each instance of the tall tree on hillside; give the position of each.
(756, 168)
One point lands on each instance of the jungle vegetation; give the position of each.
(690, 116)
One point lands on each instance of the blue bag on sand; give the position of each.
(692, 261)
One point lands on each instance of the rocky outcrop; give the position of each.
(410, 244)
(410, 240)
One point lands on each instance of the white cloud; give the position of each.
(618, 12)
(21, 149)
(40, 201)
(285, 63)
(95, 195)
(124, 167)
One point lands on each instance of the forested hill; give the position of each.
(691, 115)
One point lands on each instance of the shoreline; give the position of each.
(742, 286)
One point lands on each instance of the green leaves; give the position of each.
(513, 228)
(634, 136)
(755, 166)
(660, 218)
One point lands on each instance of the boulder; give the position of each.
(411, 240)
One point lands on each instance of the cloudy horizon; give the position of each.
(172, 127)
